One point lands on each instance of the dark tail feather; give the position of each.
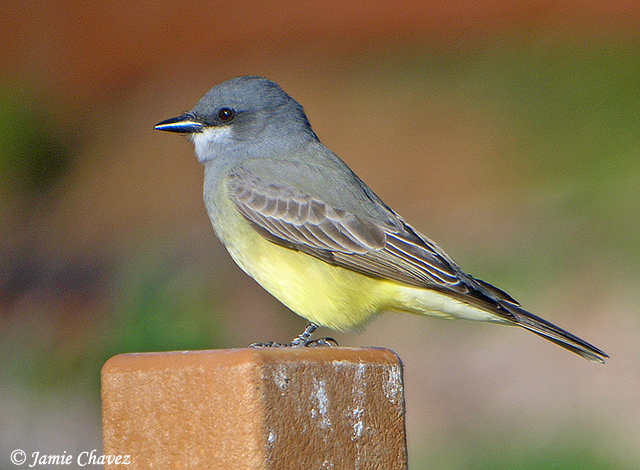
(553, 333)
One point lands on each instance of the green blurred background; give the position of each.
(508, 131)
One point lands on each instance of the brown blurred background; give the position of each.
(508, 131)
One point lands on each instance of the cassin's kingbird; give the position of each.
(300, 222)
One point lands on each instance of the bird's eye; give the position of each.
(226, 114)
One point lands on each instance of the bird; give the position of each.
(301, 223)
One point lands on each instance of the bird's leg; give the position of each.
(303, 340)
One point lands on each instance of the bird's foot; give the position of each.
(301, 341)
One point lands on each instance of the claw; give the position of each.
(301, 341)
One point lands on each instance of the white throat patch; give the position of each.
(207, 141)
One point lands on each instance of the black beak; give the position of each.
(185, 124)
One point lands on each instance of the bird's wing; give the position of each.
(287, 216)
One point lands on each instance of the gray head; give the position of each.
(244, 111)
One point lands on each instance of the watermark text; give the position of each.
(83, 459)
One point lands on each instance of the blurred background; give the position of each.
(508, 131)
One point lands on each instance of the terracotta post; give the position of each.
(278, 408)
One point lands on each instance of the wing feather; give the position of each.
(299, 221)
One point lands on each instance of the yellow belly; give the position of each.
(327, 295)
(324, 294)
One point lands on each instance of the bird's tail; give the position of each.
(553, 333)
